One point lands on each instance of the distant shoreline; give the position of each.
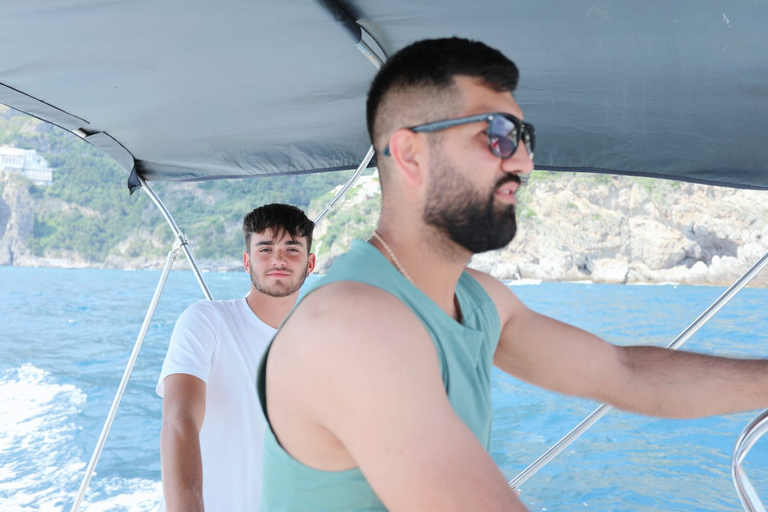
(207, 266)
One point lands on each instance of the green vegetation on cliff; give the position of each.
(84, 177)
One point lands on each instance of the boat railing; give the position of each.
(604, 409)
(181, 242)
(754, 430)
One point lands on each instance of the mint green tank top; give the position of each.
(465, 351)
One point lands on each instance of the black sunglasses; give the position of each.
(505, 132)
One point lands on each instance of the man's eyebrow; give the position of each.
(288, 242)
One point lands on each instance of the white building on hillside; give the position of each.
(26, 162)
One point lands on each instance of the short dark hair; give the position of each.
(280, 218)
(434, 63)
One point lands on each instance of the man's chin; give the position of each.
(278, 292)
(485, 246)
(280, 289)
(274, 291)
(485, 240)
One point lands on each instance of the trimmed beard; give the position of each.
(469, 217)
(277, 291)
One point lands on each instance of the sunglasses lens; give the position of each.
(529, 138)
(502, 137)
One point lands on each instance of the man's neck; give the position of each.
(270, 310)
(433, 263)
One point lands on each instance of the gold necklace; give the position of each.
(399, 267)
(392, 256)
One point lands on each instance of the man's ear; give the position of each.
(310, 263)
(246, 261)
(405, 148)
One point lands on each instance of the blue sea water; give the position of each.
(66, 335)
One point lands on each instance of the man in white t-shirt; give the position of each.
(213, 429)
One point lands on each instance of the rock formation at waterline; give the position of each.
(618, 230)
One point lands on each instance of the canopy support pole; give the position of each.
(180, 237)
(603, 409)
(181, 243)
(370, 48)
(747, 439)
(362, 39)
(345, 189)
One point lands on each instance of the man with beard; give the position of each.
(387, 405)
(213, 430)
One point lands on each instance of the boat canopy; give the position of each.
(197, 90)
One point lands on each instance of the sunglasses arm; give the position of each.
(450, 123)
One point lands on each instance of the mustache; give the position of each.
(521, 180)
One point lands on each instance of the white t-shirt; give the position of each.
(221, 343)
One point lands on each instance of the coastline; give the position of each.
(570, 229)
(698, 276)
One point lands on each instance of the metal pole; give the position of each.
(181, 238)
(603, 409)
(349, 25)
(347, 186)
(182, 242)
(747, 439)
(126, 375)
(357, 33)
(366, 50)
(372, 56)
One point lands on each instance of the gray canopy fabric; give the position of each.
(196, 90)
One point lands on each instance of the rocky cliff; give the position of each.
(619, 230)
(17, 219)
